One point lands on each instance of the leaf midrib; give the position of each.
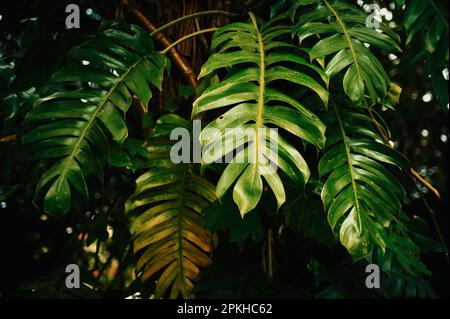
(182, 189)
(261, 88)
(350, 166)
(347, 38)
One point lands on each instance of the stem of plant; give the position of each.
(186, 37)
(435, 223)
(191, 16)
(270, 252)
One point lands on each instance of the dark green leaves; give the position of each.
(426, 26)
(225, 216)
(401, 261)
(427, 16)
(343, 38)
(255, 105)
(361, 196)
(71, 129)
(307, 217)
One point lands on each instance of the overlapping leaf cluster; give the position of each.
(345, 40)
(71, 129)
(270, 75)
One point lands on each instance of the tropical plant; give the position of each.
(349, 41)
(170, 228)
(258, 46)
(298, 167)
(360, 195)
(65, 126)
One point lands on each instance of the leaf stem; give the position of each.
(191, 16)
(186, 37)
(435, 223)
(425, 183)
(270, 253)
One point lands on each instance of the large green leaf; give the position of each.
(361, 196)
(342, 35)
(254, 106)
(67, 128)
(168, 205)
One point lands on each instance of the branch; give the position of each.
(8, 138)
(413, 173)
(184, 67)
(425, 183)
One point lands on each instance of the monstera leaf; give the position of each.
(67, 128)
(168, 204)
(343, 37)
(361, 196)
(256, 60)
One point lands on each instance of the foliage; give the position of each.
(170, 230)
(426, 27)
(347, 25)
(120, 63)
(361, 196)
(261, 49)
(92, 145)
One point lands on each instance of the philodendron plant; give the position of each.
(286, 114)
